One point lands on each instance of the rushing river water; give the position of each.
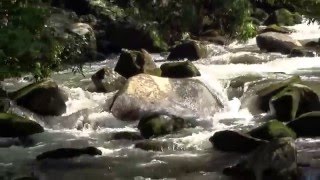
(87, 123)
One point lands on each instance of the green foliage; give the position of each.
(26, 45)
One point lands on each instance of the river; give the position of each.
(87, 123)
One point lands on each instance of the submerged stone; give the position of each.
(65, 153)
(133, 136)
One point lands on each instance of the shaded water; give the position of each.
(191, 156)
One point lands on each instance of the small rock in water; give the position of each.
(191, 50)
(127, 136)
(231, 141)
(179, 70)
(65, 153)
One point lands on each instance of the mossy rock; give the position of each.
(294, 100)
(133, 136)
(307, 125)
(231, 141)
(184, 69)
(44, 98)
(151, 145)
(276, 160)
(107, 80)
(191, 50)
(284, 17)
(272, 130)
(268, 91)
(157, 125)
(12, 125)
(276, 28)
(132, 63)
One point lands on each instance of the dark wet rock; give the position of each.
(294, 100)
(65, 153)
(107, 80)
(44, 98)
(276, 42)
(276, 160)
(302, 52)
(81, 7)
(152, 145)
(145, 95)
(27, 178)
(284, 17)
(231, 141)
(276, 28)
(219, 40)
(179, 70)
(157, 125)
(133, 136)
(132, 63)
(307, 125)
(191, 50)
(260, 93)
(272, 130)
(12, 125)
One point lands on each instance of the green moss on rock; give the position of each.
(272, 130)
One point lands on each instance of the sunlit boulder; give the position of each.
(146, 94)
(276, 42)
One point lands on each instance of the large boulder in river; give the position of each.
(146, 95)
(307, 125)
(157, 125)
(44, 98)
(65, 153)
(12, 125)
(294, 100)
(276, 160)
(272, 130)
(259, 94)
(231, 141)
(275, 28)
(276, 42)
(284, 17)
(191, 50)
(132, 63)
(179, 70)
(107, 80)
